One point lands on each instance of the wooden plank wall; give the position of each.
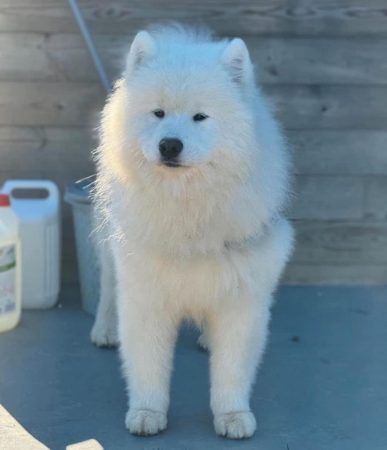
(323, 63)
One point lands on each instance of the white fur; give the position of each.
(205, 242)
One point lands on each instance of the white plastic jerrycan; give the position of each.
(10, 266)
(36, 203)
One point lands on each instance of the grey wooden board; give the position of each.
(299, 107)
(329, 242)
(339, 152)
(334, 18)
(44, 134)
(328, 198)
(314, 151)
(375, 202)
(326, 390)
(325, 252)
(40, 103)
(315, 196)
(58, 157)
(300, 60)
(318, 273)
(334, 107)
(323, 259)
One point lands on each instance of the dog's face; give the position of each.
(186, 103)
(176, 126)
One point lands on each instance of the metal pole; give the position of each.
(90, 44)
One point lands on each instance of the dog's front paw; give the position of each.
(145, 422)
(104, 336)
(235, 425)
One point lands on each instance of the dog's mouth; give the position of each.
(172, 163)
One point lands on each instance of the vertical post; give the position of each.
(90, 44)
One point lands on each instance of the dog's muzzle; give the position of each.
(170, 149)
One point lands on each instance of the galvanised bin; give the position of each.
(78, 196)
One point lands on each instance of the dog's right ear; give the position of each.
(142, 49)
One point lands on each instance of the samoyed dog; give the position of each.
(192, 181)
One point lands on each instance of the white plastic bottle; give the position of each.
(37, 206)
(10, 266)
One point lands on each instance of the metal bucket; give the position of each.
(78, 196)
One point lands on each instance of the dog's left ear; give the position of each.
(142, 49)
(236, 60)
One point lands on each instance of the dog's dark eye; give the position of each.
(159, 113)
(199, 117)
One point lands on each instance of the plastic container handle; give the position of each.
(49, 186)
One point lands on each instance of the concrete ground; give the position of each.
(322, 386)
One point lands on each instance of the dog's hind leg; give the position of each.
(104, 332)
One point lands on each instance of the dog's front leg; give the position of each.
(147, 345)
(147, 337)
(237, 336)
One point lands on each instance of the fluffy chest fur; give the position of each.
(192, 221)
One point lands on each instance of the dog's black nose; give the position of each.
(170, 148)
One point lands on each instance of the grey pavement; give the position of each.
(322, 385)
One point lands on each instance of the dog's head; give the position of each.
(188, 103)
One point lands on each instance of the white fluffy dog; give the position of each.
(192, 180)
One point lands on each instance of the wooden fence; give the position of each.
(323, 63)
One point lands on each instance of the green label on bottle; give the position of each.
(7, 279)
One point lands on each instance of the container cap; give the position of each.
(4, 200)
